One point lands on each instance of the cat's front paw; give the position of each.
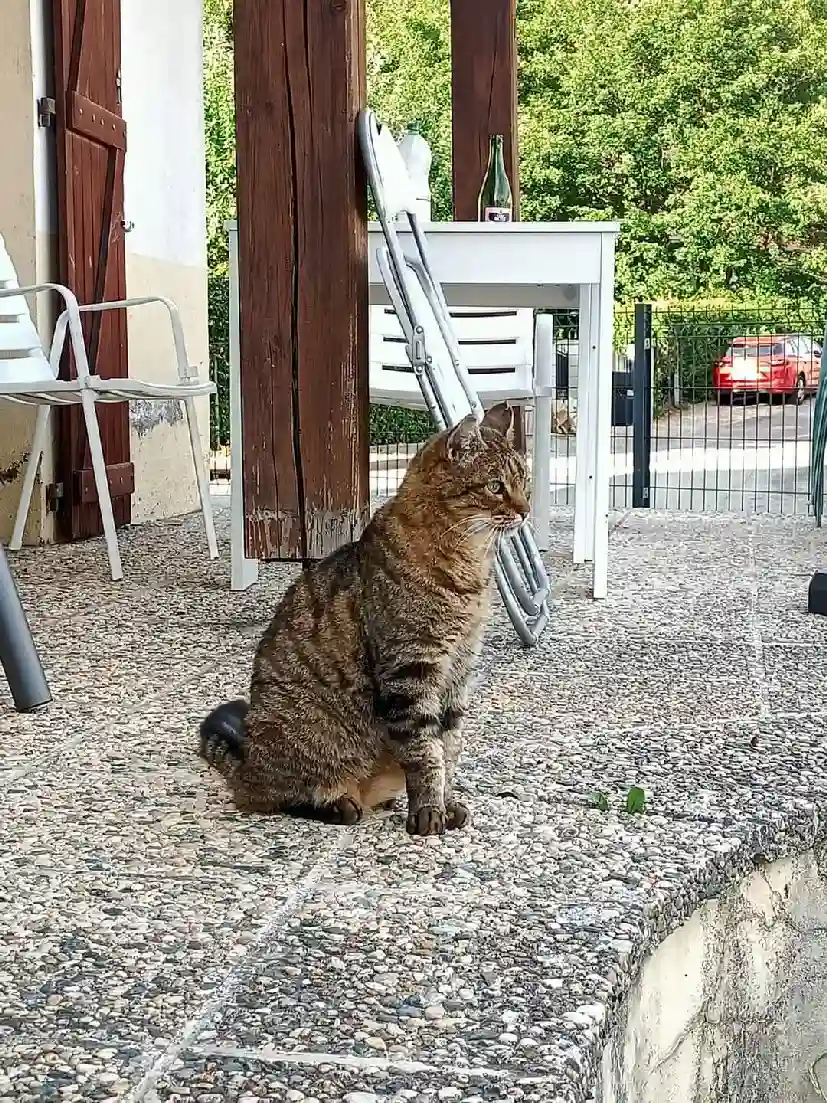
(427, 820)
(456, 815)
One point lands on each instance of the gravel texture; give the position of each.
(158, 947)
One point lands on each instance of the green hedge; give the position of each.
(218, 289)
(395, 425)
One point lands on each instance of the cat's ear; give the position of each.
(501, 418)
(463, 440)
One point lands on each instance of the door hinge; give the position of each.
(54, 494)
(46, 111)
(118, 85)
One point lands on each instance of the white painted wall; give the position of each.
(26, 216)
(166, 252)
(161, 44)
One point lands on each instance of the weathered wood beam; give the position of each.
(484, 96)
(300, 82)
(484, 102)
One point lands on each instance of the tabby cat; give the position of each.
(361, 681)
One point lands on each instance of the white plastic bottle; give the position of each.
(416, 153)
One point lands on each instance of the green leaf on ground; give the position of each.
(635, 800)
(598, 800)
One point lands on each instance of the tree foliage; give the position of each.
(219, 119)
(701, 124)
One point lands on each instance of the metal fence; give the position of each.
(219, 313)
(682, 438)
(725, 405)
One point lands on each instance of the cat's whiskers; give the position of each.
(476, 525)
(491, 542)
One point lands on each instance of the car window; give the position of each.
(792, 347)
(762, 349)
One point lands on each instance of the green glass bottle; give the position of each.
(495, 202)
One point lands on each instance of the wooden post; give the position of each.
(300, 82)
(484, 90)
(484, 102)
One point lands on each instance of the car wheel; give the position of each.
(799, 394)
(724, 398)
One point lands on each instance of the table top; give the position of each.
(506, 228)
(509, 264)
(509, 229)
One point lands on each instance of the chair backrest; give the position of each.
(396, 193)
(444, 393)
(22, 359)
(419, 301)
(496, 345)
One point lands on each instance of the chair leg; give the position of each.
(541, 495)
(201, 476)
(90, 416)
(41, 430)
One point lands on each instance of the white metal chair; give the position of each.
(506, 360)
(28, 376)
(431, 345)
(497, 346)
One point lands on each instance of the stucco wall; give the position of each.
(166, 251)
(732, 1007)
(26, 223)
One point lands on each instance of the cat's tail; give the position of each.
(223, 742)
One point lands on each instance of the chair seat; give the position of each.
(68, 391)
(125, 390)
(56, 392)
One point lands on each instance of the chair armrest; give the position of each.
(70, 317)
(545, 357)
(174, 317)
(64, 292)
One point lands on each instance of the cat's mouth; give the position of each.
(508, 524)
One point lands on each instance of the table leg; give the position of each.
(586, 402)
(243, 571)
(604, 311)
(18, 655)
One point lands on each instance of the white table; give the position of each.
(520, 264)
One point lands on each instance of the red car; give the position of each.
(787, 365)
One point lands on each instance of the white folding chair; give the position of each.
(497, 346)
(434, 353)
(27, 376)
(508, 359)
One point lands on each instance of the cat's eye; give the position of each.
(496, 487)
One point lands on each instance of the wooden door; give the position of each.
(91, 145)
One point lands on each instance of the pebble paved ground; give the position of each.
(157, 947)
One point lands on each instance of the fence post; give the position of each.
(642, 407)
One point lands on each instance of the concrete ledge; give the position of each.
(733, 1004)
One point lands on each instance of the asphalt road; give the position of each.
(748, 458)
(752, 457)
(744, 424)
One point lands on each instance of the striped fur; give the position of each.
(360, 683)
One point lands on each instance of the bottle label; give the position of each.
(497, 214)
